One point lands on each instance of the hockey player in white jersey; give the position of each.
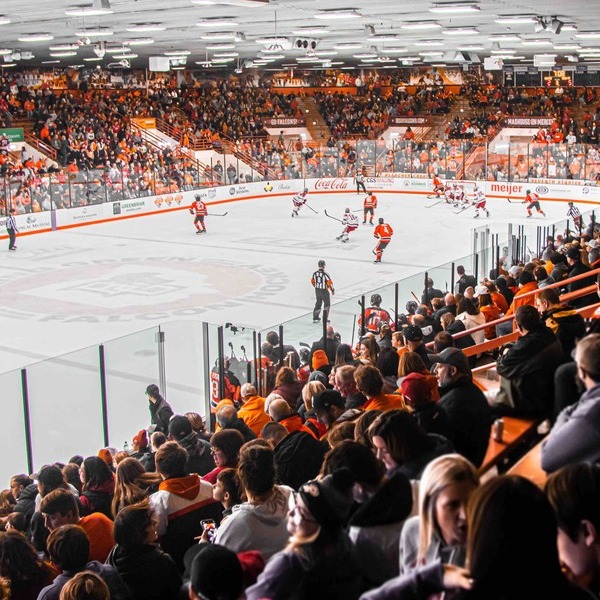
(299, 200)
(479, 202)
(350, 223)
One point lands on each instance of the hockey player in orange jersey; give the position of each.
(383, 232)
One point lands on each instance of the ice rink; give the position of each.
(74, 288)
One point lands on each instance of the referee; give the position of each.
(322, 283)
(575, 214)
(11, 229)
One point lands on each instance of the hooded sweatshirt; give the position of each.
(148, 572)
(261, 527)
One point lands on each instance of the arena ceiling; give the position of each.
(296, 33)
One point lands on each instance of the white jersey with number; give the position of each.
(350, 219)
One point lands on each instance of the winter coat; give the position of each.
(160, 414)
(472, 321)
(575, 437)
(469, 416)
(99, 498)
(26, 502)
(253, 414)
(414, 467)
(527, 371)
(376, 526)
(240, 426)
(567, 325)
(291, 393)
(310, 575)
(298, 458)
(147, 571)
(579, 268)
(200, 459)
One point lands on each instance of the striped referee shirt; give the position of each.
(573, 212)
(11, 223)
(321, 280)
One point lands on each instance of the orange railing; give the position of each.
(40, 146)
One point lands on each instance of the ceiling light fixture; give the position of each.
(421, 25)
(4, 20)
(145, 27)
(91, 59)
(515, 20)
(98, 32)
(226, 54)
(62, 54)
(52, 62)
(365, 55)
(470, 48)
(139, 42)
(334, 14)
(177, 53)
(218, 22)
(36, 37)
(429, 43)
(431, 53)
(88, 11)
(221, 35)
(536, 43)
(5, 51)
(347, 46)
(460, 31)
(220, 46)
(63, 47)
(454, 8)
(383, 37)
(316, 30)
(588, 35)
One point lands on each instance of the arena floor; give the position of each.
(70, 289)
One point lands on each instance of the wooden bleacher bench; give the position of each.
(530, 466)
(516, 433)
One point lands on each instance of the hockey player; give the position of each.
(199, 209)
(449, 194)
(533, 201)
(479, 202)
(375, 316)
(299, 200)
(458, 195)
(350, 222)
(575, 214)
(438, 186)
(383, 232)
(369, 206)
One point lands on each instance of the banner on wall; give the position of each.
(420, 121)
(144, 122)
(39, 221)
(527, 121)
(284, 122)
(14, 134)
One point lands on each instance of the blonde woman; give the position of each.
(439, 531)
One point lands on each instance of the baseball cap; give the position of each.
(480, 289)
(412, 333)
(49, 475)
(328, 398)
(415, 388)
(593, 244)
(574, 253)
(454, 357)
(179, 427)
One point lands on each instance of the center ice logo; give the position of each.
(127, 285)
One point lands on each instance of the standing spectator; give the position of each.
(98, 486)
(464, 281)
(160, 410)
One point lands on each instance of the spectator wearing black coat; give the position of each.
(227, 419)
(200, 459)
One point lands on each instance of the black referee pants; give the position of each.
(322, 299)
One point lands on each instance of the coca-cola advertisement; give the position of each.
(332, 184)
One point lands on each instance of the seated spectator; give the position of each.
(132, 484)
(574, 492)
(98, 486)
(181, 502)
(345, 384)
(199, 459)
(527, 368)
(147, 571)
(370, 382)
(383, 506)
(469, 314)
(414, 342)
(542, 277)
(402, 445)
(330, 409)
(225, 448)
(387, 363)
(71, 474)
(298, 456)
(288, 387)
(411, 362)
(215, 572)
(562, 319)
(577, 267)
(430, 415)
(439, 530)
(60, 508)
(454, 327)
(260, 522)
(279, 410)
(227, 491)
(227, 418)
(157, 439)
(468, 412)
(21, 566)
(69, 550)
(559, 269)
(319, 561)
(489, 310)
(252, 411)
(139, 444)
(198, 425)
(575, 436)
(368, 350)
(85, 586)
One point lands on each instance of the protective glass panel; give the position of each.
(65, 406)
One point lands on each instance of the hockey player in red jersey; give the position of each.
(198, 208)
(533, 201)
(350, 223)
(299, 200)
(383, 233)
(375, 316)
(369, 206)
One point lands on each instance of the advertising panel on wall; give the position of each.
(38, 221)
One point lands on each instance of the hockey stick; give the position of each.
(457, 212)
(415, 297)
(334, 218)
(359, 210)
(217, 214)
(311, 208)
(432, 205)
(518, 202)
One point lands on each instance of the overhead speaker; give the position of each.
(306, 44)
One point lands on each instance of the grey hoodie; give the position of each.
(260, 527)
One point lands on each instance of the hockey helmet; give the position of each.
(347, 210)
(321, 264)
(528, 191)
(570, 203)
(375, 299)
(370, 193)
(304, 354)
(198, 197)
(411, 307)
(305, 190)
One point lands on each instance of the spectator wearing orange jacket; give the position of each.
(252, 411)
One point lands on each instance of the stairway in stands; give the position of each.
(315, 123)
